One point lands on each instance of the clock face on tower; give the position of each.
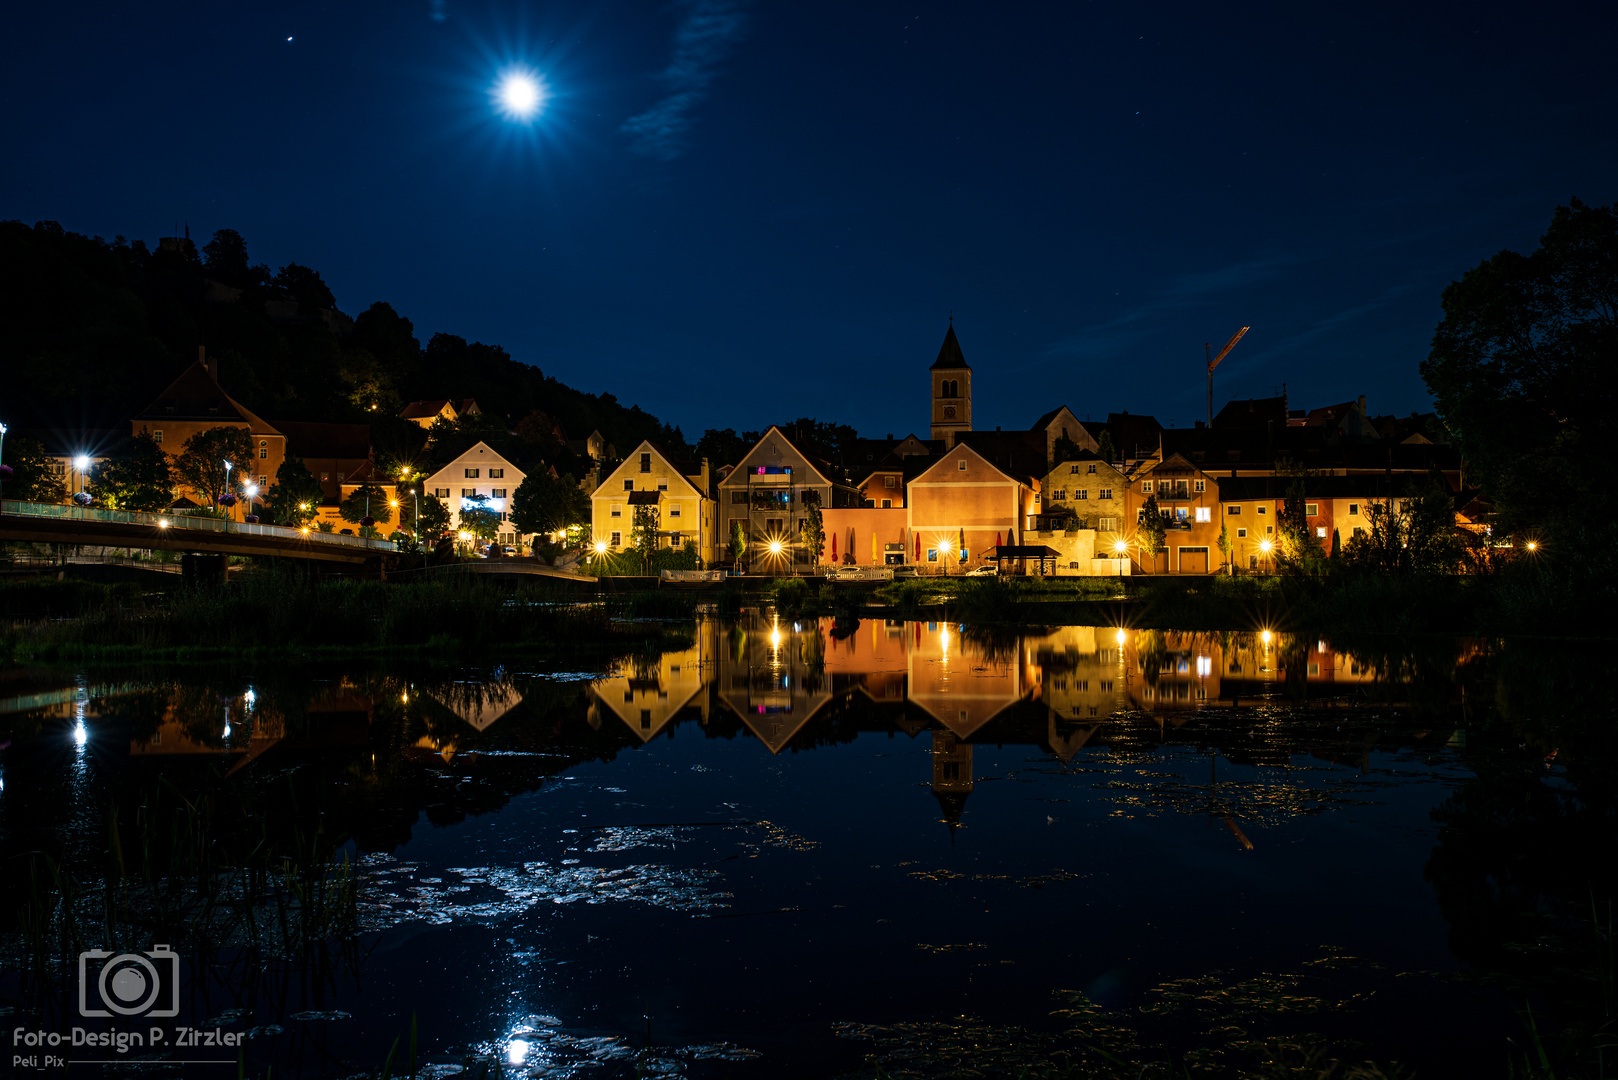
(949, 412)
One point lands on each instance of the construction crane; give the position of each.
(1213, 362)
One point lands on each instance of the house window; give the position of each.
(263, 482)
(1091, 471)
(1199, 485)
(675, 540)
(1204, 514)
(1263, 509)
(497, 474)
(617, 538)
(616, 511)
(674, 511)
(662, 485)
(157, 436)
(1311, 509)
(1106, 493)
(1241, 534)
(497, 493)
(646, 463)
(468, 493)
(890, 481)
(263, 449)
(1073, 469)
(1320, 531)
(1354, 510)
(327, 476)
(471, 474)
(629, 485)
(441, 493)
(1358, 531)
(339, 478)
(738, 496)
(887, 504)
(1082, 495)
(961, 465)
(1107, 524)
(1145, 487)
(1269, 528)
(1233, 510)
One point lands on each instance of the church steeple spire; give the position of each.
(951, 389)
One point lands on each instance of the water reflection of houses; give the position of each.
(772, 674)
(647, 694)
(199, 721)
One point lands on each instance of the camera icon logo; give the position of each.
(130, 984)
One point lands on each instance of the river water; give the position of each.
(804, 849)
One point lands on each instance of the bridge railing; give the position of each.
(188, 522)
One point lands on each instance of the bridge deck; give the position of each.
(45, 524)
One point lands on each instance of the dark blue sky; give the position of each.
(732, 213)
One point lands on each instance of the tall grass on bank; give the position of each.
(271, 612)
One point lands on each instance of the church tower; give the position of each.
(951, 391)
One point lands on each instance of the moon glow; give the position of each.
(519, 95)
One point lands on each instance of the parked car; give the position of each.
(905, 571)
(509, 551)
(983, 571)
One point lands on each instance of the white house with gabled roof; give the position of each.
(479, 471)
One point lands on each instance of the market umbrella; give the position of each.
(875, 559)
(850, 548)
(918, 548)
(834, 548)
(961, 545)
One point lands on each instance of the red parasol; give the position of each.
(834, 548)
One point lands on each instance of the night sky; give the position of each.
(732, 214)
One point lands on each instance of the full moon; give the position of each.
(519, 95)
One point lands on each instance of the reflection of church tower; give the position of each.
(951, 391)
(952, 775)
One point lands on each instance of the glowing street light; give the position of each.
(519, 95)
(1533, 545)
(601, 547)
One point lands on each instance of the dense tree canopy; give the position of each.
(92, 330)
(1524, 366)
(135, 477)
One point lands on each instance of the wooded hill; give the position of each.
(92, 330)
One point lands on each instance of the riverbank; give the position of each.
(268, 614)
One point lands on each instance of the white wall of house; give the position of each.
(479, 471)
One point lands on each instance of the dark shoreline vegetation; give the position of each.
(264, 613)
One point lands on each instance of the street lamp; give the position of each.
(2, 461)
(251, 491)
(228, 467)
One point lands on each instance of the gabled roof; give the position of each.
(1014, 474)
(1049, 418)
(683, 471)
(949, 354)
(318, 440)
(1020, 454)
(420, 410)
(775, 432)
(1253, 413)
(196, 396)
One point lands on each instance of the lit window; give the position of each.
(1204, 514)
(157, 436)
(1320, 531)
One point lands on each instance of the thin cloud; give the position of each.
(708, 30)
(1116, 336)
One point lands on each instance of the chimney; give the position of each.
(1362, 404)
(211, 365)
